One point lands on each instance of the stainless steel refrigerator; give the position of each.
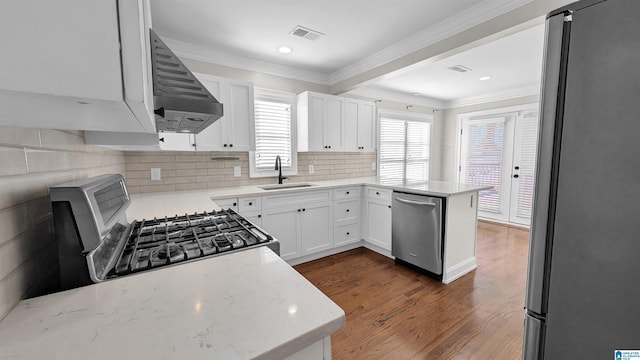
(583, 286)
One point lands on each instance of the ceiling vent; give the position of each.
(459, 68)
(305, 33)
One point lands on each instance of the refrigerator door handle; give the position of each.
(552, 104)
(533, 337)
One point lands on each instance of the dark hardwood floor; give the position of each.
(394, 312)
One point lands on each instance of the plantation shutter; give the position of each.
(272, 134)
(525, 158)
(404, 151)
(482, 159)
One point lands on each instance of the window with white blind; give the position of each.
(404, 149)
(274, 133)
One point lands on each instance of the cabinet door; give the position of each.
(240, 120)
(255, 217)
(316, 228)
(214, 136)
(176, 142)
(351, 138)
(332, 124)
(315, 123)
(378, 223)
(282, 224)
(365, 127)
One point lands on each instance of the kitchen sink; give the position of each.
(285, 186)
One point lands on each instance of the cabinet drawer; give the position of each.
(346, 210)
(247, 204)
(227, 203)
(346, 193)
(346, 234)
(378, 193)
(272, 201)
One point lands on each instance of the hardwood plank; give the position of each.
(394, 312)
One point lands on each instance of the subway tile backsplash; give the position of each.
(180, 171)
(32, 160)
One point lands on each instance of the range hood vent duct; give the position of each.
(181, 102)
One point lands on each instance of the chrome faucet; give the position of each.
(279, 168)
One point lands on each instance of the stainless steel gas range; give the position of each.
(96, 243)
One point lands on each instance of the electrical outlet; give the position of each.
(373, 166)
(155, 174)
(237, 171)
(312, 169)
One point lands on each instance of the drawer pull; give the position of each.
(259, 215)
(348, 233)
(347, 210)
(235, 204)
(250, 203)
(347, 193)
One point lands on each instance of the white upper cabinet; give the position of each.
(76, 64)
(358, 125)
(234, 130)
(334, 123)
(320, 118)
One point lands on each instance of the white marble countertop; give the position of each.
(148, 205)
(244, 305)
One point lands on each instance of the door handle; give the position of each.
(419, 203)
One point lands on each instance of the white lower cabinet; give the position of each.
(255, 217)
(316, 228)
(282, 224)
(377, 224)
(346, 234)
(302, 229)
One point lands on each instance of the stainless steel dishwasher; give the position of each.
(416, 230)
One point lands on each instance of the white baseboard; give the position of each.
(321, 254)
(459, 269)
(378, 249)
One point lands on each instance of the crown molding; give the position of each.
(496, 96)
(475, 15)
(389, 95)
(195, 52)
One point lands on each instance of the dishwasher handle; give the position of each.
(419, 203)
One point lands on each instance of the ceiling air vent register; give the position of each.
(305, 33)
(459, 68)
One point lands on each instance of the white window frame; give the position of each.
(404, 116)
(283, 97)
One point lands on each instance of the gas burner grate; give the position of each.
(159, 242)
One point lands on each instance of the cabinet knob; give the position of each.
(161, 139)
(326, 147)
(347, 210)
(516, 176)
(348, 233)
(377, 193)
(347, 193)
(225, 145)
(389, 206)
(259, 215)
(329, 146)
(230, 145)
(235, 204)
(250, 203)
(304, 209)
(194, 145)
(299, 210)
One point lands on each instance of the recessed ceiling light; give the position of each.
(285, 50)
(485, 78)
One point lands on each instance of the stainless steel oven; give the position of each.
(96, 243)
